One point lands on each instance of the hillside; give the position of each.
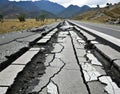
(107, 14)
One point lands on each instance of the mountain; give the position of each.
(33, 9)
(3, 1)
(49, 6)
(12, 9)
(83, 9)
(73, 10)
(26, 5)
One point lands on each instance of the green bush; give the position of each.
(1, 18)
(21, 17)
(42, 17)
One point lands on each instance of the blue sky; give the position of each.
(91, 3)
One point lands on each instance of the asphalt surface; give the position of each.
(104, 28)
(63, 65)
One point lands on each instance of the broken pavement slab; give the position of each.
(81, 52)
(57, 48)
(108, 52)
(93, 59)
(8, 75)
(43, 41)
(110, 87)
(52, 88)
(85, 34)
(96, 87)
(115, 71)
(65, 82)
(26, 57)
(49, 59)
(90, 72)
(50, 72)
(116, 64)
(70, 84)
(47, 37)
(3, 90)
(9, 49)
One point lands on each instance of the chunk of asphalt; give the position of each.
(42, 41)
(49, 59)
(50, 72)
(51, 33)
(26, 57)
(3, 90)
(82, 59)
(115, 71)
(108, 52)
(96, 87)
(60, 40)
(90, 73)
(8, 75)
(52, 88)
(88, 36)
(79, 46)
(46, 38)
(93, 59)
(57, 48)
(116, 63)
(10, 49)
(111, 87)
(94, 42)
(70, 84)
(81, 52)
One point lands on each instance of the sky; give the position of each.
(91, 3)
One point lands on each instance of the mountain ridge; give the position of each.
(47, 7)
(73, 10)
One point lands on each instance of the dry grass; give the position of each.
(14, 25)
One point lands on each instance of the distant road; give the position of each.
(105, 28)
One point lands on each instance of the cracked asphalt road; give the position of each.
(62, 66)
(64, 72)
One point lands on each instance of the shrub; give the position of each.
(42, 17)
(1, 18)
(21, 17)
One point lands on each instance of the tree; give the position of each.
(37, 19)
(42, 17)
(108, 5)
(21, 17)
(98, 6)
(1, 18)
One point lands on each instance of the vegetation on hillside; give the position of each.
(21, 17)
(107, 14)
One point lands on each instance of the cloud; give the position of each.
(79, 2)
(84, 2)
(69, 2)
